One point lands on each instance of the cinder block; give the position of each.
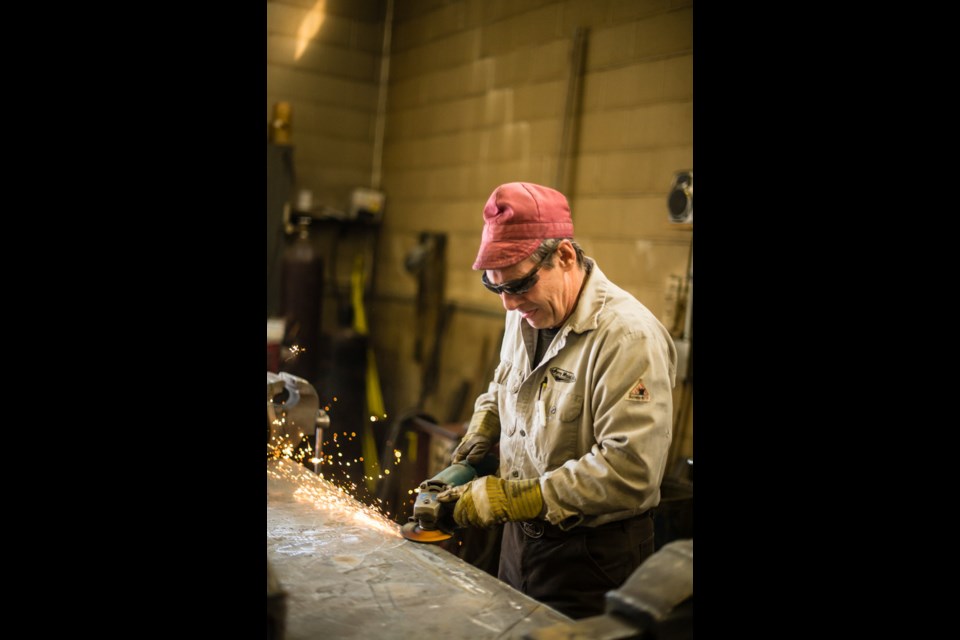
(614, 173)
(629, 10)
(455, 50)
(628, 86)
(293, 84)
(410, 9)
(639, 216)
(404, 183)
(445, 53)
(367, 36)
(497, 10)
(611, 46)
(604, 131)
(644, 127)
(665, 34)
(447, 182)
(605, 217)
(548, 61)
(460, 148)
(423, 152)
(320, 149)
(472, 79)
(631, 172)
(510, 69)
(442, 21)
(444, 85)
(404, 94)
(585, 13)
(545, 136)
(534, 27)
(284, 19)
(425, 121)
(358, 10)
(317, 119)
(541, 100)
(511, 141)
(678, 78)
(324, 59)
(480, 73)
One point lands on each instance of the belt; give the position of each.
(541, 529)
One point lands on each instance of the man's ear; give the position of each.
(566, 254)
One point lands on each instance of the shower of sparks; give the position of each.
(338, 464)
(333, 499)
(295, 350)
(333, 461)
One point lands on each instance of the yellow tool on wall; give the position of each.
(375, 407)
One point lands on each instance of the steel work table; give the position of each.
(348, 573)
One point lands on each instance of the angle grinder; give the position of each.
(432, 520)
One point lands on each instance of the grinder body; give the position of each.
(432, 520)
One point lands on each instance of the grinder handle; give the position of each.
(459, 473)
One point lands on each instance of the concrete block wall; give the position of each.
(476, 98)
(332, 86)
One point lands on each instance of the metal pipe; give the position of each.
(381, 121)
(568, 135)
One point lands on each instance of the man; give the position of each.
(581, 405)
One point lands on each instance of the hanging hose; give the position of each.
(375, 407)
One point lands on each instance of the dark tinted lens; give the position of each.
(514, 287)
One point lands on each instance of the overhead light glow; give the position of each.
(309, 27)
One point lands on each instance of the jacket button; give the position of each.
(515, 474)
(522, 432)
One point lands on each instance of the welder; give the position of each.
(580, 404)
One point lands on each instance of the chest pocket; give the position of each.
(557, 442)
(569, 407)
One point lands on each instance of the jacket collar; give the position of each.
(593, 297)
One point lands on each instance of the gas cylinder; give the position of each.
(301, 300)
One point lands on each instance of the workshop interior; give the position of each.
(388, 123)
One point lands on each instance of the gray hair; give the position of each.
(549, 246)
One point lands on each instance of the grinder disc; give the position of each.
(413, 531)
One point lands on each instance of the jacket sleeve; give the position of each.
(486, 416)
(486, 409)
(631, 409)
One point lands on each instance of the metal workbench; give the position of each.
(347, 573)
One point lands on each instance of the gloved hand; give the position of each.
(489, 500)
(472, 448)
(484, 428)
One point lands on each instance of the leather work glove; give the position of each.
(483, 430)
(473, 448)
(489, 500)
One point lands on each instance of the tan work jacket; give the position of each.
(594, 419)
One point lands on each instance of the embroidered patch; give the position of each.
(561, 375)
(639, 393)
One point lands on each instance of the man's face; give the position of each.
(551, 298)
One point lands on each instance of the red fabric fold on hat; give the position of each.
(519, 216)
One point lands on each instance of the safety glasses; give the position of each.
(519, 285)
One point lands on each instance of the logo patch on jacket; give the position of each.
(562, 375)
(639, 392)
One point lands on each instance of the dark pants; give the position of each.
(572, 571)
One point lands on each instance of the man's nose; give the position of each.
(510, 301)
